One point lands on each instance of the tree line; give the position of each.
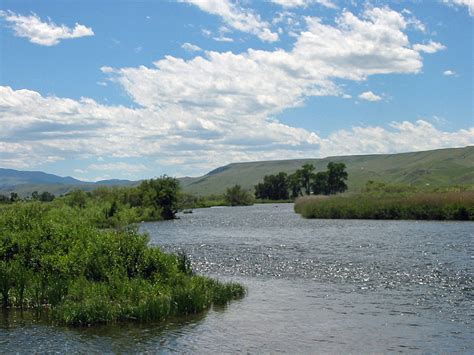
(305, 180)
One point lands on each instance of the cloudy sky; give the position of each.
(137, 89)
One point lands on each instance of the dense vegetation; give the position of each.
(57, 255)
(303, 181)
(380, 201)
(236, 196)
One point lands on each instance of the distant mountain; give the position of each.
(26, 182)
(441, 167)
(10, 178)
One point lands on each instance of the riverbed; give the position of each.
(313, 286)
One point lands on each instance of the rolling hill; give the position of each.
(441, 167)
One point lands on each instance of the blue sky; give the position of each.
(126, 89)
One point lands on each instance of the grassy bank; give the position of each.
(55, 257)
(418, 205)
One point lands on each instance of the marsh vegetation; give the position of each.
(397, 203)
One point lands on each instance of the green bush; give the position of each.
(54, 256)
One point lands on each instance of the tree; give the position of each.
(274, 187)
(294, 184)
(45, 196)
(319, 184)
(336, 177)
(306, 174)
(161, 194)
(77, 198)
(236, 196)
(14, 197)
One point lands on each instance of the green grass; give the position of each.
(418, 205)
(54, 257)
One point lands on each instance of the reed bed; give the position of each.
(415, 206)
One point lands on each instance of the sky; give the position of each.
(137, 89)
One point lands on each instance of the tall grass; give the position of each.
(420, 205)
(56, 258)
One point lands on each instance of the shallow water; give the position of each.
(313, 286)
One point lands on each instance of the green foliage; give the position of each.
(320, 184)
(236, 196)
(279, 186)
(306, 174)
(159, 194)
(419, 205)
(273, 187)
(294, 184)
(336, 177)
(45, 196)
(14, 197)
(54, 256)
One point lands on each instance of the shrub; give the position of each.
(54, 256)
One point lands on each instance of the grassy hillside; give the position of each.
(442, 167)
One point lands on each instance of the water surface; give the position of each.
(313, 286)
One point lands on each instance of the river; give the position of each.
(313, 286)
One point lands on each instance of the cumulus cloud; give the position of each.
(43, 33)
(430, 47)
(304, 3)
(449, 72)
(369, 96)
(239, 18)
(41, 129)
(191, 47)
(468, 3)
(259, 83)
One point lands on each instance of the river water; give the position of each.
(313, 286)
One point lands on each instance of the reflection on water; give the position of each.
(314, 285)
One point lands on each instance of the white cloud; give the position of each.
(259, 83)
(47, 129)
(191, 47)
(431, 47)
(234, 16)
(369, 96)
(413, 21)
(43, 33)
(402, 136)
(449, 72)
(468, 3)
(304, 3)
